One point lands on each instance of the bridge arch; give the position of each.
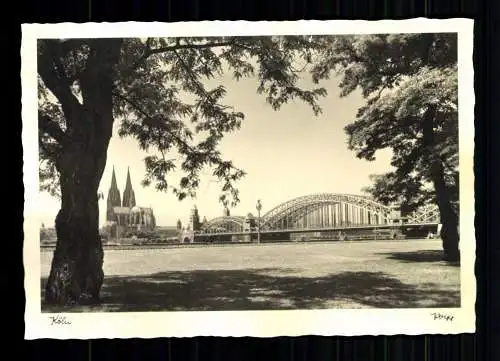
(326, 209)
(322, 210)
(229, 223)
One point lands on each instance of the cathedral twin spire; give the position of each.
(128, 193)
(114, 199)
(126, 216)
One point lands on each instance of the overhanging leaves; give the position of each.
(161, 99)
(400, 76)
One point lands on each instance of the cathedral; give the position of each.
(123, 211)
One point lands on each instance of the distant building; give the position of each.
(126, 215)
(167, 233)
(47, 235)
(194, 220)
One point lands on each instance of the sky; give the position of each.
(286, 154)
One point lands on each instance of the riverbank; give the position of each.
(50, 248)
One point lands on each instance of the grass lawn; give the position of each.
(367, 274)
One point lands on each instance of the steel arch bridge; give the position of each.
(227, 223)
(326, 209)
(322, 211)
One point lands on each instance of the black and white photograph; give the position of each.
(309, 177)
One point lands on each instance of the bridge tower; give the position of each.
(194, 219)
(396, 216)
(248, 225)
(187, 235)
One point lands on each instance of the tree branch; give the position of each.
(179, 46)
(51, 128)
(57, 85)
(200, 88)
(148, 51)
(179, 140)
(67, 45)
(192, 77)
(146, 115)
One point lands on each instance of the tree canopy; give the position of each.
(401, 76)
(159, 97)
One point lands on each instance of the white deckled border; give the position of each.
(248, 323)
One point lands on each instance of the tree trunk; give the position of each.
(76, 275)
(449, 216)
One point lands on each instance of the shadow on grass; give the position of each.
(419, 256)
(261, 289)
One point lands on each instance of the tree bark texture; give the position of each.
(76, 274)
(448, 214)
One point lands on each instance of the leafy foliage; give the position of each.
(401, 76)
(389, 188)
(159, 97)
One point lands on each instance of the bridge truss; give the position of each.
(228, 223)
(322, 211)
(426, 214)
(326, 209)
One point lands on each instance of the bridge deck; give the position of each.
(320, 229)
